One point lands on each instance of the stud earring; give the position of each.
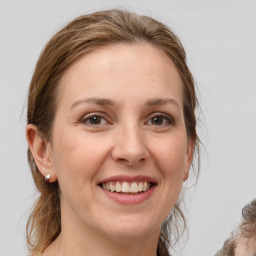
(47, 177)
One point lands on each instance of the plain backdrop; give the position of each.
(220, 39)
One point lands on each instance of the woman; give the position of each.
(111, 134)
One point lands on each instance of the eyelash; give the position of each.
(168, 120)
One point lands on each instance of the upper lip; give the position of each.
(126, 178)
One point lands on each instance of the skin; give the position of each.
(127, 140)
(245, 247)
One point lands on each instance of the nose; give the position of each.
(130, 146)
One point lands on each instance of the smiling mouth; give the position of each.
(129, 188)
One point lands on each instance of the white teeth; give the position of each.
(112, 187)
(118, 187)
(140, 187)
(126, 187)
(144, 186)
(134, 188)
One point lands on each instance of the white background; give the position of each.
(220, 39)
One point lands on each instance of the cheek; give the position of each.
(78, 157)
(77, 160)
(171, 156)
(171, 162)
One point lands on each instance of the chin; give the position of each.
(130, 229)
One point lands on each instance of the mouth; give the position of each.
(127, 188)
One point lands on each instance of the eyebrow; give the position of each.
(159, 101)
(96, 101)
(108, 102)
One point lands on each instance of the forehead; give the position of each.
(112, 68)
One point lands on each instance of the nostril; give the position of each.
(129, 157)
(131, 162)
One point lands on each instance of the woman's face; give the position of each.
(119, 146)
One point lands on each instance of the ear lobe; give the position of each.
(41, 151)
(186, 175)
(189, 157)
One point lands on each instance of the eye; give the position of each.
(94, 120)
(160, 119)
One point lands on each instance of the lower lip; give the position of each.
(131, 198)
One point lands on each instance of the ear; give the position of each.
(189, 157)
(41, 150)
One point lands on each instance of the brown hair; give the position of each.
(228, 248)
(83, 35)
(248, 225)
(245, 230)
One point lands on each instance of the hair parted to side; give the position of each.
(83, 35)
